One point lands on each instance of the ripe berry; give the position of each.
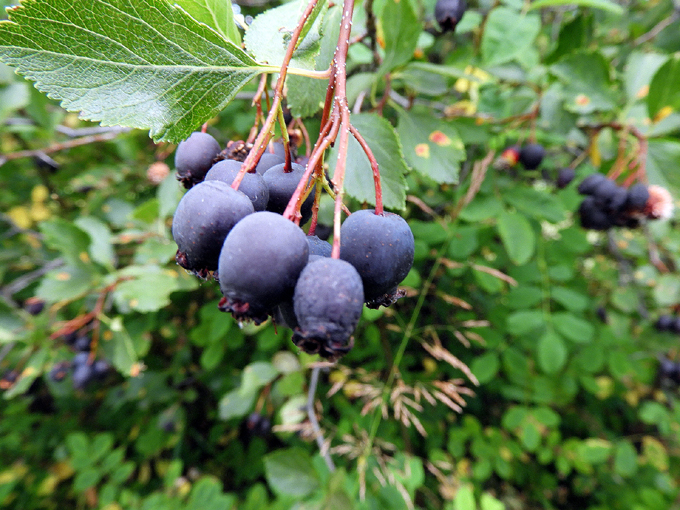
(282, 185)
(638, 194)
(252, 185)
(664, 323)
(258, 425)
(592, 216)
(34, 305)
(82, 344)
(588, 185)
(203, 218)
(328, 301)
(448, 13)
(194, 157)
(381, 248)
(319, 247)
(604, 192)
(675, 327)
(531, 155)
(259, 264)
(267, 161)
(564, 177)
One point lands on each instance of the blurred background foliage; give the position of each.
(563, 405)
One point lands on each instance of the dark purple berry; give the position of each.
(448, 13)
(638, 195)
(617, 201)
(592, 216)
(328, 301)
(34, 305)
(194, 157)
(381, 248)
(588, 185)
(82, 375)
(531, 155)
(602, 314)
(323, 232)
(282, 185)
(675, 327)
(204, 217)
(564, 177)
(258, 425)
(604, 192)
(280, 150)
(101, 368)
(259, 264)
(59, 371)
(82, 344)
(267, 161)
(319, 247)
(664, 323)
(252, 185)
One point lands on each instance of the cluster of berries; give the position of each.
(83, 370)
(668, 323)
(266, 265)
(609, 205)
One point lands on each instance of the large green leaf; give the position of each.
(663, 162)
(551, 352)
(606, 5)
(431, 146)
(640, 68)
(68, 239)
(290, 473)
(267, 37)
(585, 76)
(217, 14)
(137, 63)
(400, 29)
(382, 139)
(517, 236)
(663, 90)
(507, 34)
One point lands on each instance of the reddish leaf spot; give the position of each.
(423, 150)
(440, 138)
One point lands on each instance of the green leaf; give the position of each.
(574, 328)
(137, 63)
(217, 14)
(100, 248)
(606, 5)
(290, 472)
(465, 499)
(206, 494)
(640, 68)
(570, 299)
(400, 29)
(65, 283)
(485, 367)
(625, 459)
(306, 95)
(488, 502)
(382, 139)
(507, 34)
(551, 353)
(86, 479)
(148, 289)
(432, 146)
(524, 321)
(235, 404)
(120, 349)
(667, 290)
(169, 194)
(266, 36)
(256, 375)
(535, 203)
(663, 89)
(663, 161)
(586, 83)
(68, 239)
(33, 368)
(517, 236)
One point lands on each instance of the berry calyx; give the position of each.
(448, 13)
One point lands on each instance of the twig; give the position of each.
(25, 280)
(656, 30)
(315, 423)
(76, 142)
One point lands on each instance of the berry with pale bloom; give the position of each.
(660, 203)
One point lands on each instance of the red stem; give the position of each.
(374, 167)
(262, 139)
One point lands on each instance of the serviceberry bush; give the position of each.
(381, 254)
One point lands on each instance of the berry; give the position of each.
(100, 369)
(328, 301)
(617, 202)
(675, 327)
(34, 305)
(282, 185)
(592, 216)
(267, 161)
(59, 371)
(319, 247)
(381, 249)
(564, 177)
(82, 344)
(604, 192)
(258, 425)
(252, 185)
(531, 155)
(448, 13)
(508, 158)
(259, 264)
(194, 157)
(638, 194)
(204, 217)
(588, 185)
(664, 323)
